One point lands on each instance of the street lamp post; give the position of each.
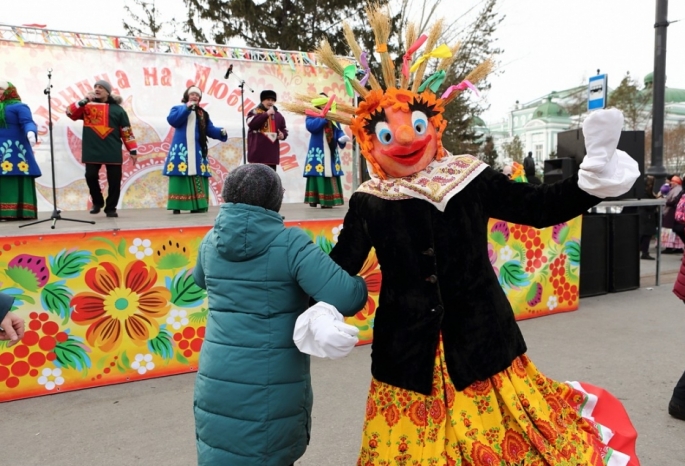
(658, 91)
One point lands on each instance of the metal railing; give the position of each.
(36, 35)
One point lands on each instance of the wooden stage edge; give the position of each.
(146, 219)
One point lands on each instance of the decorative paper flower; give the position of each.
(143, 363)
(141, 248)
(177, 319)
(51, 378)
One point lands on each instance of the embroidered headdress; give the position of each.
(408, 92)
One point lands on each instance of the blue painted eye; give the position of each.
(384, 134)
(419, 121)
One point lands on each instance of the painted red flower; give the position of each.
(514, 447)
(547, 430)
(484, 455)
(119, 303)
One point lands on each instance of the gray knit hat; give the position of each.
(105, 84)
(254, 184)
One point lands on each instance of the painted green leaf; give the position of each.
(102, 361)
(512, 275)
(69, 264)
(23, 277)
(56, 299)
(125, 361)
(498, 237)
(324, 243)
(572, 250)
(72, 354)
(122, 247)
(182, 359)
(184, 291)
(162, 345)
(104, 252)
(105, 240)
(172, 260)
(199, 317)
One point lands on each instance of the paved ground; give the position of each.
(632, 343)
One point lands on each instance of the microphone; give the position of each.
(228, 71)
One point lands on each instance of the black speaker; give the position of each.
(558, 169)
(572, 144)
(594, 276)
(624, 252)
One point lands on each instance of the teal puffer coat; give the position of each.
(253, 395)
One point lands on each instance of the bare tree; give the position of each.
(148, 22)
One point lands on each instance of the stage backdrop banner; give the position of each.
(111, 307)
(150, 84)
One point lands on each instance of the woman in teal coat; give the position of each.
(253, 395)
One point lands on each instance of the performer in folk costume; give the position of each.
(19, 169)
(451, 380)
(187, 163)
(105, 126)
(323, 168)
(267, 130)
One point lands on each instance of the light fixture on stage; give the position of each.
(242, 86)
(55, 212)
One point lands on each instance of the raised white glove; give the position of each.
(320, 331)
(31, 136)
(344, 139)
(605, 171)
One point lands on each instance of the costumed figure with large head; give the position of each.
(451, 380)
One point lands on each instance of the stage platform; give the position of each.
(143, 219)
(116, 301)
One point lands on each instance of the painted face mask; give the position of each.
(399, 131)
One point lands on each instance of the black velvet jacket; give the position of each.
(437, 277)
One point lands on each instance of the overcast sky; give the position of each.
(548, 44)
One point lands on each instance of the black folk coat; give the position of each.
(438, 279)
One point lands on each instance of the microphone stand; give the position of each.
(242, 85)
(55, 212)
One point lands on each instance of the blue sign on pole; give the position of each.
(597, 92)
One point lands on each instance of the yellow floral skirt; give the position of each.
(516, 417)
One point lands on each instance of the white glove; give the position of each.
(321, 331)
(605, 171)
(31, 136)
(344, 139)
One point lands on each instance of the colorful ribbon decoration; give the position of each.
(364, 61)
(460, 87)
(349, 73)
(434, 81)
(439, 52)
(407, 56)
(328, 103)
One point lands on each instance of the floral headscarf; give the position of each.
(8, 96)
